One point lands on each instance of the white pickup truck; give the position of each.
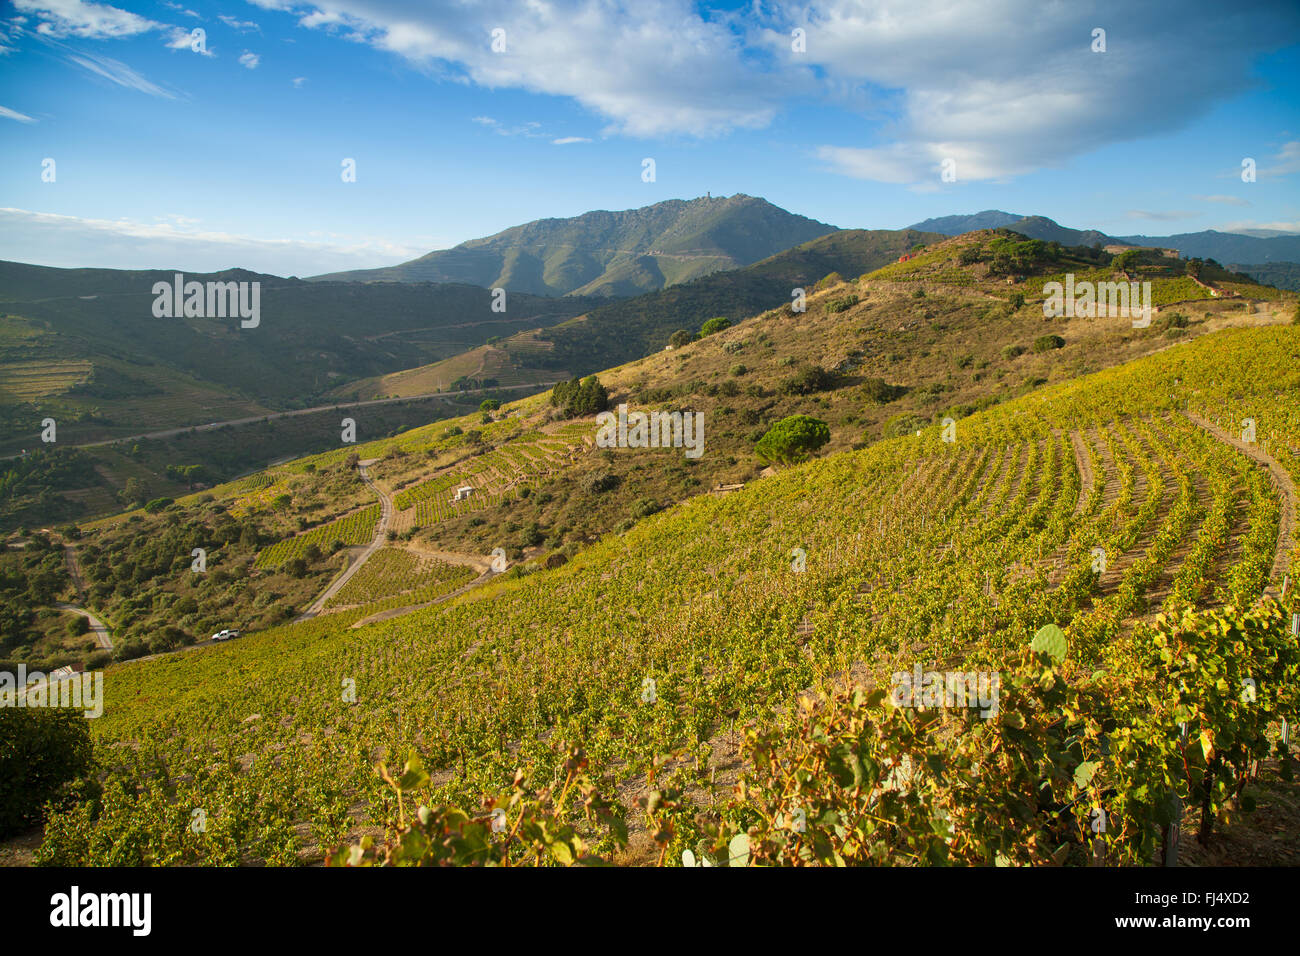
(226, 635)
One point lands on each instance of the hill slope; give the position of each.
(607, 254)
(83, 346)
(631, 328)
(1223, 247)
(644, 649)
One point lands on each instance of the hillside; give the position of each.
(84, 347)
(673, 655)
(610, 254)
(939, 335)
(628, 329)
(1223, 247)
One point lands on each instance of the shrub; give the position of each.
(1046, 343)
(715, 324)
(600, 482)
(810, 380)
(679, 338)
(842, 305)
(738, 370)
(878, 391)
(1012, 351)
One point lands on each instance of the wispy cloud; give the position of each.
(186, 11)
(250, 60)
(243, 26)
(115, 71)
(531, 130)
(7, 113)
(566, 140)
(1225, 200)
(1159, 215)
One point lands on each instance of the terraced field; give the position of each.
(394, 571)
(358, 527)
(676, 656)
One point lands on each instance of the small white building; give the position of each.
(463, 493)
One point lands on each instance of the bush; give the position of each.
(738, 370)
(1012, 351)
(810, 380)
(679, 338)
(879, 392)
(489, 405)
(600, 482)
(45, 750)
(78, 625)
(793, 439)
(1017, 299)
(157, 505)
(842, 305)
(1046, 343)
(715, 324)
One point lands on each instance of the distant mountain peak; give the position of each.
(614, 252)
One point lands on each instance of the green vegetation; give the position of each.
(46, 751)
(793, 439)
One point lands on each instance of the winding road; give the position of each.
(381, 531)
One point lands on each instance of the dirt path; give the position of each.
(103, 636)
(1086, 478)
(377, 542)
(1286, 488)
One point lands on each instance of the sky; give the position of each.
(201, 136)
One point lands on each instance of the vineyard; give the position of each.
(513, 465)
(394, 571)
(351, 529)
(681, 691)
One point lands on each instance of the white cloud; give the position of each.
(180, 9)
(76, 18)
(651, 68)
(70, 241)
(1003, 88)
(7, 113)
(298, 81)
(250, 60)
(243, 26)
(566, 140)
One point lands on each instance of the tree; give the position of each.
(46, 749)
(489, 405)
(679, 338)
(715, 324)
(793, 439)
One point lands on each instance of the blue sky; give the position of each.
(231, 155)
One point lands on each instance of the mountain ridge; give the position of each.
(611, 253)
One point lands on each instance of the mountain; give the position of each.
(1280, 275)
(631, 328)
(84, 346)
(1223, 247)
(956, 225)
(612, 253)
